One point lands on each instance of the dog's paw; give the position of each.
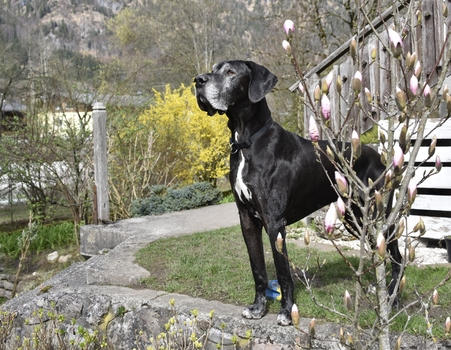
(252, 312)
(283, 319)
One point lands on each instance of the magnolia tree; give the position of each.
(407, 114)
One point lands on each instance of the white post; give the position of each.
(100, 161)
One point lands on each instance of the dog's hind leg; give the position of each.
(252, 232)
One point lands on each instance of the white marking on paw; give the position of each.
(283, 320)
(240, 186)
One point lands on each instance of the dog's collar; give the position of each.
(236, 146)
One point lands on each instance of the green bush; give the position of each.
(165, 199)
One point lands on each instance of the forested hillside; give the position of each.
(145, 44)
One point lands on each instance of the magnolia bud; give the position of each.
(353, 48)
(398, 159)
(307, 237)
(431, 149)
(357, 82)
(413, 86)
(350, 340)
(342, 183)
(438, 163)
(369, 97)
(330, 219)
(341, 336)
(435, 297)
(445, 10)
(313, 129)
(330, 153)
(287, 47)
(325, 107)
(447, 325)
(379, 202)
(317, 94)
(398, 344)
(445, 91)
(427, 96)
(374, 53)
(411, 192)
(411, 253)
(400, 99)
(419, 16)
(279, 243)
(402, 137)
(295, 315)
(402, 283)
(356, 146)
(341, 207)
(327, 81)
(396, 43)
(312, 328)
(419, 225)
(417, 70)
(381, 245)
(410, 61)
(288, 26)
(339, 84)
(400, 230)
(448, 104)
(347, 301)
(382, 137)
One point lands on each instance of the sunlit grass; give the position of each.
(215, 266)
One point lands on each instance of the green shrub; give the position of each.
(165, 199)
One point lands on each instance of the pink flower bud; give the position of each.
(330, 220)
(347, 301)
(396, 42)
(438, 163)
(325, 107)
(313, 129)
(413, 85)
(301, 88)
(398, 159)
(381, 245)
(287, 47)
(411, 192)
(342, 183)
(288, 26)
(369, 97)
(417, 70)
(400, 99)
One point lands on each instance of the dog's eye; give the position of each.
(230, 72)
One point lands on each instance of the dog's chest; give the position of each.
(241, 189)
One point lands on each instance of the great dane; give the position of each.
(275, 175)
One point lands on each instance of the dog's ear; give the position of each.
(262, 81)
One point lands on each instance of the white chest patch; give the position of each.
(240, 187)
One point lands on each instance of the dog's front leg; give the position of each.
(283, 275)
(252, 232)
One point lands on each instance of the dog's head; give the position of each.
(232, 82)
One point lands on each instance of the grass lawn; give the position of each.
(215, 266)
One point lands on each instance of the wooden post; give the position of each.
(100, 161)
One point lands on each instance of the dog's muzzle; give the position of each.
(200, 82)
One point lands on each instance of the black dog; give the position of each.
(275, 175)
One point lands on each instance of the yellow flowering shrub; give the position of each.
(193, 144)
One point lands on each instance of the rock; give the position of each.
(53, 257)
(64, 258)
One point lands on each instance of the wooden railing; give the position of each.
(425, 37)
